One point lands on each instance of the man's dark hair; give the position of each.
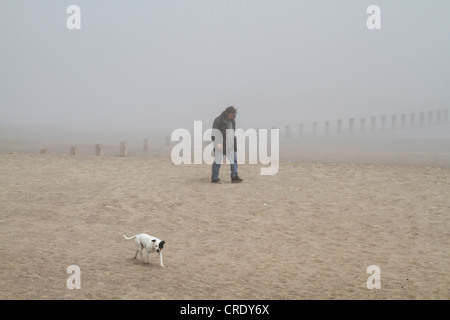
(230, 109)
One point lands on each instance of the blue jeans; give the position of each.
(233, 168)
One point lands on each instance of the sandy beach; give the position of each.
(347, 102)
(308, 232)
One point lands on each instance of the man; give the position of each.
(223, 122)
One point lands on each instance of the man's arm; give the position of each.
(215, 126)
(217, 133)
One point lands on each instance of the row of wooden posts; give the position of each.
(440, 117)
(123, 149)
(99, 149)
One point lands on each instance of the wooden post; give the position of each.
(363, 124)
(412, 119)
(383, 122)
(146, 145)
(445, 116)
(372, 123)
(300, 129)
(74, 151)
(351, 124)
(314, 128)
(123, 149)
(44, 151)
(339, 126)
(430, 117)
(99, 150)
(288, 131)
(327, 127)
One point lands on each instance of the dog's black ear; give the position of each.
(153, 240)
(161, 244)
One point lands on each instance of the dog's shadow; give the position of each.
(141, 263)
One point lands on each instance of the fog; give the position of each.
(141, 69)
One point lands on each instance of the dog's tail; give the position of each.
(129, 238)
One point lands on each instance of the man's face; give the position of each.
(231, 116)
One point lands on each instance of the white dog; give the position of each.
(151, 244)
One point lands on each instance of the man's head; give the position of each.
(230, 112)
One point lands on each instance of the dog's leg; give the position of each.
(139, 248)
(148, 258)
(160, 259)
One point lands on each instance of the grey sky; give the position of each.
(164, 64)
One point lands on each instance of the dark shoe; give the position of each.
(236, 179)
(215, 180)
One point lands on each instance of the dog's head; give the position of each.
(159, 245)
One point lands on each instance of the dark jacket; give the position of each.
(220, 123)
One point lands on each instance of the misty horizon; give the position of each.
(139, 70)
